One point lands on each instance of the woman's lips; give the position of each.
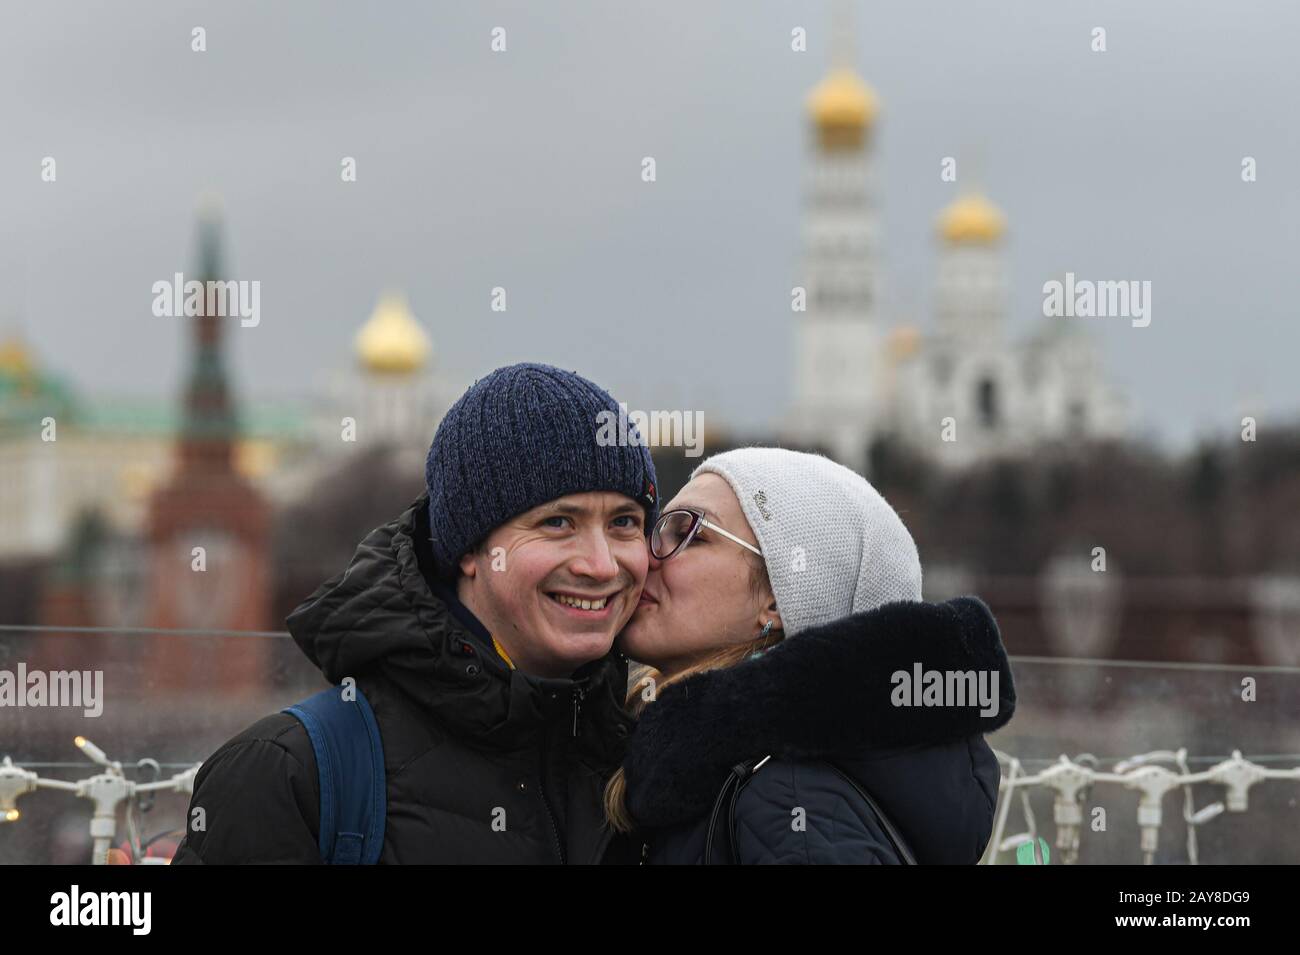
(646, 600)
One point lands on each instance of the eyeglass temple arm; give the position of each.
(705, 523)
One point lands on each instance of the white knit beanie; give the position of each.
(832, 544)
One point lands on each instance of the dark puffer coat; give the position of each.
(464, 736)
(827, 694)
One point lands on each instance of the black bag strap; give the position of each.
(895, 837)
(724, 808)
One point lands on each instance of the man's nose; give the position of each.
(597, 558)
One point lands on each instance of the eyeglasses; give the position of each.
(678, 527)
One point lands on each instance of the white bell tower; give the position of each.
(838, 337)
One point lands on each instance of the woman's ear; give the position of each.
(772, 614)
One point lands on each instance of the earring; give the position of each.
(767, 628)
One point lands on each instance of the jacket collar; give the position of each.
(825, 692)
(380, 614)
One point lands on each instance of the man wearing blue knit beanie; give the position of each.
(476, 707)
(542, 524)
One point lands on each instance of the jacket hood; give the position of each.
(380, 616)
(824, 693)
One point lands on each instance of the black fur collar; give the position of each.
(823, 692)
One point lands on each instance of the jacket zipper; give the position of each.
(577, 708)
(576, 698)
(541, 790)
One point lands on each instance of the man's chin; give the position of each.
(580, 648)
(575, 638)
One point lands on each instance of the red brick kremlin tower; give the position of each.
(207, 504)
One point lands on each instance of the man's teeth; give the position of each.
(581, 604)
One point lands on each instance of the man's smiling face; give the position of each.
(555, 584)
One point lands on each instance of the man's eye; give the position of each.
(548, 521)
(629, 520)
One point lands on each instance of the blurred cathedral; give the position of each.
(858, 381)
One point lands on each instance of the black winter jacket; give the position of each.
(828, 694)
(464, 736)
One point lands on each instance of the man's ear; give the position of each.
(467, 565)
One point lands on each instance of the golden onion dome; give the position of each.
(842, 107)
(392, 341)
(972, 218)
(843, 99)
(15, 359)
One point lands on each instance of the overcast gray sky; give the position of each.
(522, 169)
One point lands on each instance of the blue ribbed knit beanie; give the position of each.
(524, 435)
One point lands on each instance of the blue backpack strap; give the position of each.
(350, 761)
